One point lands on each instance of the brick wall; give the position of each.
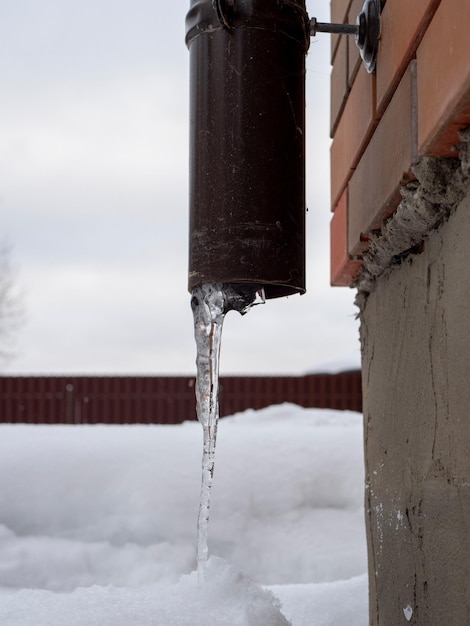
(383, 123)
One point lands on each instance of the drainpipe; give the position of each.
(247, 144)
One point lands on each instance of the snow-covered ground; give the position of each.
(98, 523)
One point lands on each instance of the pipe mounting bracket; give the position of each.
(366, 30)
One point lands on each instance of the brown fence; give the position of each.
(162, 399)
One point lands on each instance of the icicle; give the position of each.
(210, 303)
(208, 309)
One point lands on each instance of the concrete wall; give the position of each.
(415, 331)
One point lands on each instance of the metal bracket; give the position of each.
(366, 31)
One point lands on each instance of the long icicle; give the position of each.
(208, 309)
(210, 302)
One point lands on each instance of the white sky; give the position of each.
(93, 199)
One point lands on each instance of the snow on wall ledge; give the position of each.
(426, 203)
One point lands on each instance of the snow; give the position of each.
(98, 523)
(408, 612)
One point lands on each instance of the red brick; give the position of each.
(353, 132)
(403, 24)
(334, 46)
(354, 57)
(343, 268)
(339, 83)
(339, 11)
(444, 79)
(385, 164)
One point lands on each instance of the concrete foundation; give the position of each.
(415, 333)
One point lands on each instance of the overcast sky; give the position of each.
(93, 199)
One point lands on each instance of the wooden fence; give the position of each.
(162, 399)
